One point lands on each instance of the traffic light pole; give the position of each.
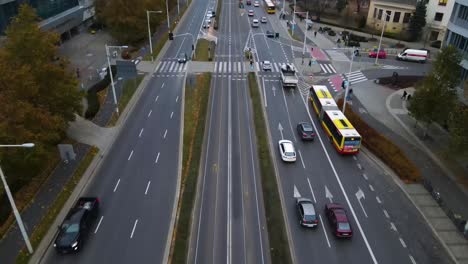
(348, 81)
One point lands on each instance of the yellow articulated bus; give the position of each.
(342, 134)
(270, 7)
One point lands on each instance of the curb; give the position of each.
(400, 184)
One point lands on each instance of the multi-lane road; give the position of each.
(137, 182)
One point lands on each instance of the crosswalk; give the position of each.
(355, 77)
(327, 68)
(170, 66)
(239, 67)
(336, 55)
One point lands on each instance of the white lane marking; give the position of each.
(172, 113)
(341, 185)
(162, 85)
(412, 259)
(177, 99)
(98, 225)
(324, 231)
(117, 185)
(365, 176)
(371, 187)
(147, 187)
(133, 230)
(149, 113)
(386, 213)
(354, 158)
(300, 156)
(264, 93)
(165, 133)
(311, 190)
(378, 200)
(402, 242)
(141, 131)
(393, 227)
(156, 99)
(157, 158)
(359, 166)
(289, 116)
(130, 156)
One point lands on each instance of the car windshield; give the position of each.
(290, 154)
(73, 228)
(343, 226)
(310, 217)
(307, 128)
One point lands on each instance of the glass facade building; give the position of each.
(44, 8)
(457, 34)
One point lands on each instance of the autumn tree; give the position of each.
(418, 20)
(458, 125)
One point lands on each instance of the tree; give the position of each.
(458, 125)
(418, 20)
(340, 5)
(435, 98)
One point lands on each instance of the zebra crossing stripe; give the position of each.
(332, 68)
(157, 67)
(239, 67)
(229, 66)
(185, 67)
(172, 66)
(275, 65)
(163, 65)
(323, 68)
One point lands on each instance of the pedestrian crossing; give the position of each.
(170, 66)
(336, 55)
(355, 77)
(239, 67)
(327, 68)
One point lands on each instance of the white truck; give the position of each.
(289, 75)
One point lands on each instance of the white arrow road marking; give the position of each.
(311, 190)
(328, 194)
(296, 192)
(359, 195)
(280, 128)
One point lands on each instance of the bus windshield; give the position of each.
(352, 141)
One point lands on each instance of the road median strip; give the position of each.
(279, 244)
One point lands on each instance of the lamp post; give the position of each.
(149, 29)
(12, 201)
(294, 19)
(305, 32)
(348, 81)
(381, 36)
(167, 13)
(111, 77)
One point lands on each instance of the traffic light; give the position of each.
(171, 36)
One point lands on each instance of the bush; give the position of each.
(357, 38)
(404, 81)
(362, 22)
(383, 148)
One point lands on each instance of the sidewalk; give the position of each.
(444, 215)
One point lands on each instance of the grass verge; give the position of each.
(196, 105)
(129, 89)
(295, 37)
(384, 148)
(205, 50)
(279, 246)
(41, 229)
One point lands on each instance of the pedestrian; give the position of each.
(315, 33)
(302, 60)
(404, 95)
(311, 49)
(408, 97)
(77, 73)
(251, 64)
(310, 63)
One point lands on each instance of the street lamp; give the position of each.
(110, 72)
(348, 81)
(167, 13)
(149, 30)
(381, 35)
(305, 32)
(12, 201)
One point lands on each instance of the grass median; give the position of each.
(205, 50)
(46, 223)
(279, 246)
(196, 105)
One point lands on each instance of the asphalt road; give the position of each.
(387, 229)
(137, 182)
(229, 224)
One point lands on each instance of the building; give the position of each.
(457, 35)
(62, 16)
(396, 12)
(437, 17)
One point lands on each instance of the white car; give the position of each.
(287, 152)
(263, 20)
(207, 23)
(256, 4)
(251, 12)
(255, 23)
(266, 65)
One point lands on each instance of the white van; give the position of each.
(413, 55)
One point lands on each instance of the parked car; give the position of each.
(336, 215)
(306, 212)
(287, 152)
(266, 65)
(263, 20)
(75, 228)
(381, 53)
(305, 131)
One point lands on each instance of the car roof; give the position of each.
(266, 62)
(255, 19)
(340, 215)
(308, 207)
(288, 146)
(305, 124)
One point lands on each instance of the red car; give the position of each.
(337, 218)
(382, 54)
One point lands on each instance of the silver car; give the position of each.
(306, 212)
(266, 65)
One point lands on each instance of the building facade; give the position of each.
(397, 14)
(62, 16)
(437, 18)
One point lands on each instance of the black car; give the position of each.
(76, 225)
(306, 131)
(182, 58)
(270, 34)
